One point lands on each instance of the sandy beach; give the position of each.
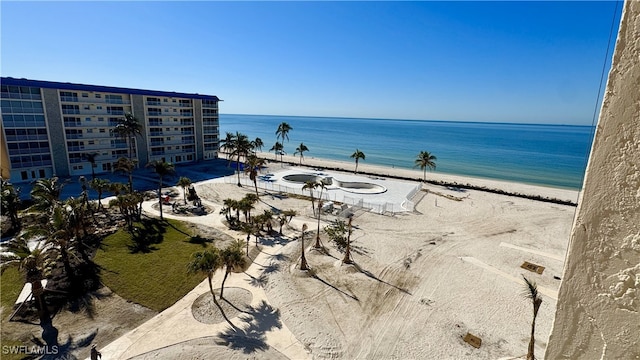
(421, 279)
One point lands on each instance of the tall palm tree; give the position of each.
(226, 146)
(278, 149)
(184, 182)
(300, 150)
(303, 260)
(311, 185)
(251, 167)
(531, 292)
(129, 128)
(45, 193)
(91, 158)
(10, 203)
(161, 168)
(126, 166)
(425, 160)
(357, 155)
(232, 257)
(248, 229)
(241, 147)
(206, 262)
(283, 132)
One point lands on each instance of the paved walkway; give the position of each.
(177, 324)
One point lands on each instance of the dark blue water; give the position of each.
(550, 155)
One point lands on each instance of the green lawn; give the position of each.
(155, 279)
(11, 283)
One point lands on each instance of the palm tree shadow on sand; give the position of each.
(252, 338)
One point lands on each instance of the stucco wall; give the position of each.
(598, 309)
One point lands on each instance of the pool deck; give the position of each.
(394, 199)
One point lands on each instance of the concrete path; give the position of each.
(177, 324)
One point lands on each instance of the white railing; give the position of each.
(328, 195)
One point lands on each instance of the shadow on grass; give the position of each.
(260, 319)
(197, 239)
(148, 233)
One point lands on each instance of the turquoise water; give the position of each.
(550, 155)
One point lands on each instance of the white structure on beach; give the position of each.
(598, 309)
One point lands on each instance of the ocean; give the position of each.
(549, 155)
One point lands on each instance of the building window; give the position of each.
(24, 175)
(91, 142)
(98, 96)
(87, 107)
(41, 173)
(100, 119)
(87, 119)
(99, 107)
(85, 95)
(102, 131)
(89, 131)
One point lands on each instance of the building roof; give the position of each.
(97, 88)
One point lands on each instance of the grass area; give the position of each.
(11, 282)
(156, 277)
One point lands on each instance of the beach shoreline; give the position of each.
(528, 191)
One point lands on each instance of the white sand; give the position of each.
(422, 279)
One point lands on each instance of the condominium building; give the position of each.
(49, 128)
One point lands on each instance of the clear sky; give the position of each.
(534, 62)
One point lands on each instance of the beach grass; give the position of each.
(155, 278)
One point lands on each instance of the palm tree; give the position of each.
(126, 166)
(357, 155)
(34, 265)
(425, 160)
(46, 193)
(282, 219)
(161, 168)
(283, 132)
(184, 182)
(531, 292)
(241, 147)
(278, 149)
(289, 213)
(99, 185)
(248, 229)
(226, 146)
(128, 128)
(207, 262)
(91, 158)
(256, 145)
(232, 258)
(301, 149)
(347, 252)
(252, 167)
(303, 260)
(311, 185)
(317, 245)
(10, 203)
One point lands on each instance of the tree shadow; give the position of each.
(148, 233)
(274, 240)
(370, 275)
(334, 287)
(199, 240)
(260, 320)
(52, 349)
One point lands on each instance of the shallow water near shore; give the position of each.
(549, 155)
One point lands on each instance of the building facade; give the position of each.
(50, 128)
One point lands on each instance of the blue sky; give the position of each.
(533, 62)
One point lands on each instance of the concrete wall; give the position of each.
(142, 145)
(55, 128)
(598, 309)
